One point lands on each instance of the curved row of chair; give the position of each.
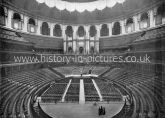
(145, 91)
(72, 94)
(17, 91)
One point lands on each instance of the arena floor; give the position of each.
(71, 110)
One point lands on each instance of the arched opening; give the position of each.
(31, 25)
(2, 11)
(17, 22)
(70, 50)
(81, 31)
(69, 31)
(116, 30)
(32, 21)
(17, 16)
(2, 16)
(92, 31)
(81, 50)
(104, 30)
(160, 17)
(92, 50)
(129, 25)
(45, 30)
(144, 21)
(57, 31)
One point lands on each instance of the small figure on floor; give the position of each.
(101, 111)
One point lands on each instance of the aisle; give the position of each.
(81, 93)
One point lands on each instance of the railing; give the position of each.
(11, 35)
(152, 33)
(124, 41)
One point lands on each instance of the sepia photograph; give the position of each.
(82, 58)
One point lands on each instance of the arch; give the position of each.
(70, 50)
(81, 50)
(129, 25)
(104, 30)
(116, 30)
(69, 31)
(160, 14)
(45, 29)
(2, 11)
(161, 9)
(81, 31)
(92, 50)
(129, 21)
(17, 24)
(92, 31)
(32, 21)
(16, 16)
(2, 16)
(31, 25)
(144, 16)
(57, 30)
(144, 20)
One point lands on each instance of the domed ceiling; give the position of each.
(121, 8)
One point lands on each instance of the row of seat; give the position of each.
(96, 70)
(72, 94)
(17, 89)
(54, 92)
(109, 92)
(64, 70)
(68, 70)
(57, 90)
(144, 89)
(91, 92)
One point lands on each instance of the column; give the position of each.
(39, 27)
(122, 23)
(25, 23)
(98, 28)
(9, 18)
(110, 29)
(51, 29)
(72, 44)
(96, 45)
(151, 16)
(75, 28)
(64, 38)
(74, 38)
(87, 31)
(87, 39)
(6, 20)
(136, 19)
(49, 26)
(63, 31)
(64, 46)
